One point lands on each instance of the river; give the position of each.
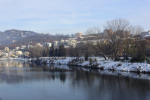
(26, 81)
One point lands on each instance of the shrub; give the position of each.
(91, 61)
(44, 62)
(138, 59)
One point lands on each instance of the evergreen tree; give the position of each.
(47, 52)
(52, 51)
(56, 52)
(43, 53)
(62, 51)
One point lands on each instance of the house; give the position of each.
(18, 53)
(72, 41)
(39, 44)
(78, 34)
(23, 47)
(47, 44)
(6, 49)
(17, 48)
(56, 44)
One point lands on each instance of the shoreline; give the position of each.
(93, 62)
(96, 63)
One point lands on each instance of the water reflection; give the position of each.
(62, 82)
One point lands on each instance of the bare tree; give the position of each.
(139, 45)
(117, 29)
(136, 30)
(36, 51)
(98, 41)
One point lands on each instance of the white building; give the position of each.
(17, 48)
(39, 44)
(30, 46)
(47, 44)
(18, 53)
(145, 34)
(23, 47)
(72, 41)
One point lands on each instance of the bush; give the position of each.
(138, 59)
(117, 59)
(44, 62)
(86, 57)
(91, 61)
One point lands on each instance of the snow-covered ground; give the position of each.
(100, 62)
(125, 66)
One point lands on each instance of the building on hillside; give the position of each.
(47, 44)
(145, 34)
(6, 49)
(6, 54)
(66, 46)
(78, 34)
(39, 44)
(23, 47)
(80, 38)
(29, 46)
(18, 53)
(17, 48)
(66, 42)
(62, 41)
(108, 31)
(72, 41)
(26, 54)
(87, 37)
(11, 53)
(56, 44)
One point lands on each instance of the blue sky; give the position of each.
(70, 16)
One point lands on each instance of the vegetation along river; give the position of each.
(25, 81)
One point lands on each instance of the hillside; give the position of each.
(11, 36)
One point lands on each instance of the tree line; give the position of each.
(119, 39)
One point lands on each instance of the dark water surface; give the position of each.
(23, 81)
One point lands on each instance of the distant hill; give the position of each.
(14, 38)
(11, 36)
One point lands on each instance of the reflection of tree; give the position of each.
(102, 87)
(13, 64)
(11, 78)
(53, 76)
(91, 84)
(62, 77)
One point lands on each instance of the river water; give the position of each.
(25, 81)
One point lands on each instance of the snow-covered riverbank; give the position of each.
(97, 62)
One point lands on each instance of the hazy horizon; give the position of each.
(67, 17)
